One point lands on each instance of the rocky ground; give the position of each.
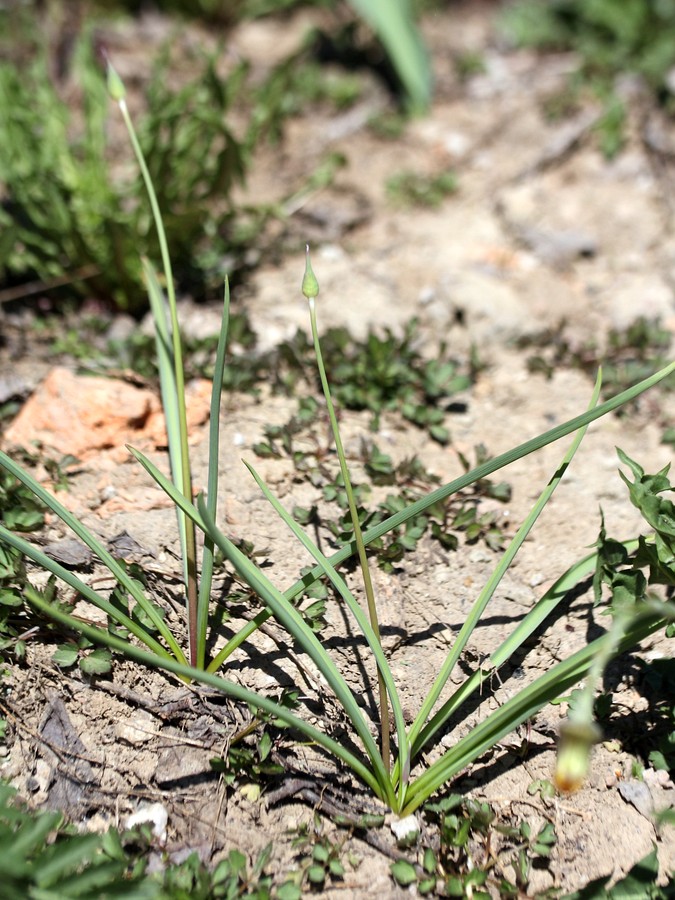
(543, 236)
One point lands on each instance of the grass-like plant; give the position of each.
(391, 767)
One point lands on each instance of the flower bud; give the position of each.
(116, 87)
(310, 286)
(574, 752)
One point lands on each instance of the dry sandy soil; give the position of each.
(543, 233)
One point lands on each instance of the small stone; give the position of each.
(638, 793)
(82, 415)
(405, 830)
(137, 730)
(154, 814)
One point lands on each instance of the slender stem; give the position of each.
(358, 536)
(188, 528)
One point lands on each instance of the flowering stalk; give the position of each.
(181, 463)
(310, 289)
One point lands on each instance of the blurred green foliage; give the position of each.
(611, 38)
(630, 36)
(393, 22)
(61, 211)
(64, 219)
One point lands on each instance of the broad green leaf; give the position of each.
(403, 872)
(99, 662)
(65, 655)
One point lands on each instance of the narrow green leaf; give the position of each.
(45, 562)
(229, 688)
(212, 481)
(488, 591)
(486, 469)
(441, 494)
(354, 607)
(528, 701)
(290, 618)
(94, 545)
(177, 390)
(394, 24)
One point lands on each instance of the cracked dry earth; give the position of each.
(542, 234)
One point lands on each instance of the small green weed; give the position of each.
(96, 662)
(635, 36)
(640, 882)
(380, 374)
(321, 860)
(631, 572)
(387, 125)
(52, 165)
(19, 509)
(232, 878)
(630, 353)
(389, 767)
(470, 63)
(611, 38)
(43, 857)
(386, 373)
(195, 160)
(249, 766)
(442, 521)
(22, 511)
(39, 856)
(659, 678)
(413, 189)
(466, 862)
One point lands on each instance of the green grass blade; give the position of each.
(340, 585)
(484, 470)
(206, 577)
(168, 487)
(167, 382)
(310, 288)
(296, 626)
(493, 582)
(523, 706)
(532, 621)
(50, 565)
(229, 688)
(189, 536)
(239, 638)
(96, 547)
(393, 22)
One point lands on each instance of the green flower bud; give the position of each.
(116, 87)
(574, 753)
(310, 286)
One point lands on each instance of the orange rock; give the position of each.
(82, 415)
